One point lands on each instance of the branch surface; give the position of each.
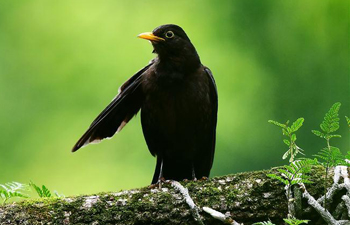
(245, 197)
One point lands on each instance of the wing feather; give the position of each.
(115, 116)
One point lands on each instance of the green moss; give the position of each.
(231, 195)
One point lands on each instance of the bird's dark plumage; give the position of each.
(178, 100)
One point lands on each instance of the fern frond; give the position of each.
(37, 189)
(276, 177)
(347, 121)
(291, 169)
(46, 192)
(304, 165)
(337, 157)
(330, 122)
(331, 157)
(12, 190)
(286, 173)
(297, 171)
(43, 192)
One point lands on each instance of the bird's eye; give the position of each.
(169, 34)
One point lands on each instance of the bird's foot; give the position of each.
(204, 178)
(159, 183)
(187, 180)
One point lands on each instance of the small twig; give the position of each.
(339, 171)
(344, 222)
(317, 206)
(331, 192)
(188, 199)
(219, 216)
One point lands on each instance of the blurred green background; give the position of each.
(61, 63)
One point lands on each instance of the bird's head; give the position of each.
(171, 42)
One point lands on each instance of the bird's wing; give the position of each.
(214, 99)
(115, 116)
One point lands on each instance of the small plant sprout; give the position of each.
(295, 173)
(298, 170)
(329, 156)
(12, 190)
(293, 148)
(43, 192)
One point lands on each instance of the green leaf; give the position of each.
(288, 131)
(318, 133)
(287, 142)
(295, 221)
(348, 121)
(277, 123)
(293, 137)
(37, 189)
(297, 124)
(329, 136)
(330, 122)
(46, 192)
(285, 155)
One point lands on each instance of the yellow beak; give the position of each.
(150, 36)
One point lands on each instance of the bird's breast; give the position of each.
(176, 101)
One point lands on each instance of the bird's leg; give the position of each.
(161, 178)
(193, 174)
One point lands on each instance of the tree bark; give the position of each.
(245, 197)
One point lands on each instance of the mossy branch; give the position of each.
(245, 197)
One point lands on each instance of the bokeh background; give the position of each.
(61, 63)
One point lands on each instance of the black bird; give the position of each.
(178, 100)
